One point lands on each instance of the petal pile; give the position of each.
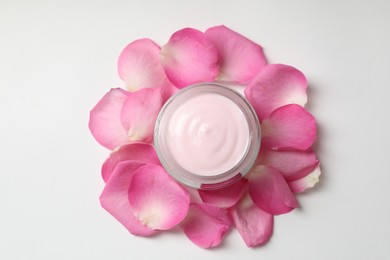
(144, 198)
(121, 117)
(138, 191)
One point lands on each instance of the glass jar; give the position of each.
(207, 136)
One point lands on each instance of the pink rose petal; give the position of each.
(189, 57)
(275, 86)
(104, 121)
(115, 200)
(309, 181)
(291, 164)
(240, 59)
(139, 114)
(206, 224)
(270, 191)
(289, 127)
(139, 66)
(225, 197)
(157, 200)
(254, 225)
(139, 152)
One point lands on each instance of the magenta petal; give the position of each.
(309, 181)
(225, 197)
(139, 114)
(139, 66)
(139, 152)
(270, 191)
(104, 121)
(275, 86)
(254, 225)
(189, 57)
(291, 164)
(115, 200)
(289, 127)
(157, 200)
(206, 224)
(240, 59)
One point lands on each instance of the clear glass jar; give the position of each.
(186, 125)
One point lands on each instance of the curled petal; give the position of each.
(275, 86)
(189, 57)
(291, 164)
(139, 66)
(225, 197)
(206, 224)
(309, 181)
(254, 225)
(289, 127)
(139, 152)
(139, 114)
(104, 121)
(240, 59)
(270, 191)
(115, 199)
(157, 200)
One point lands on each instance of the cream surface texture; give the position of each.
(208, 134)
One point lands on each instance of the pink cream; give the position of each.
(208, 134)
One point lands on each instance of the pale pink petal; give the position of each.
(270, 191)
(115, 199)
(275, 86)
(139, 114)
(309, 181)
(139, 152)
(189, 57)
(225, 197)
(254, 225)
(291, 164)
(158, 201)
(105, 122)
(139, 66)
(289, 127)
(240, 59)
(206, 224)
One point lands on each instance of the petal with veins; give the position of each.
(206, 224)
(140, 152)
(139, 114)
(139, 66)
(275, 86)
(254, 224)
(157, 200)
(114, 198)
(225, 197)
(105, 122)
(189, 57)
(240, 59)
(291, 164)
(270, 191)
(289, 127)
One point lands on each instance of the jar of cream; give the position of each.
(207, 136)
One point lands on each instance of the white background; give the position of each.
(58, 59)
